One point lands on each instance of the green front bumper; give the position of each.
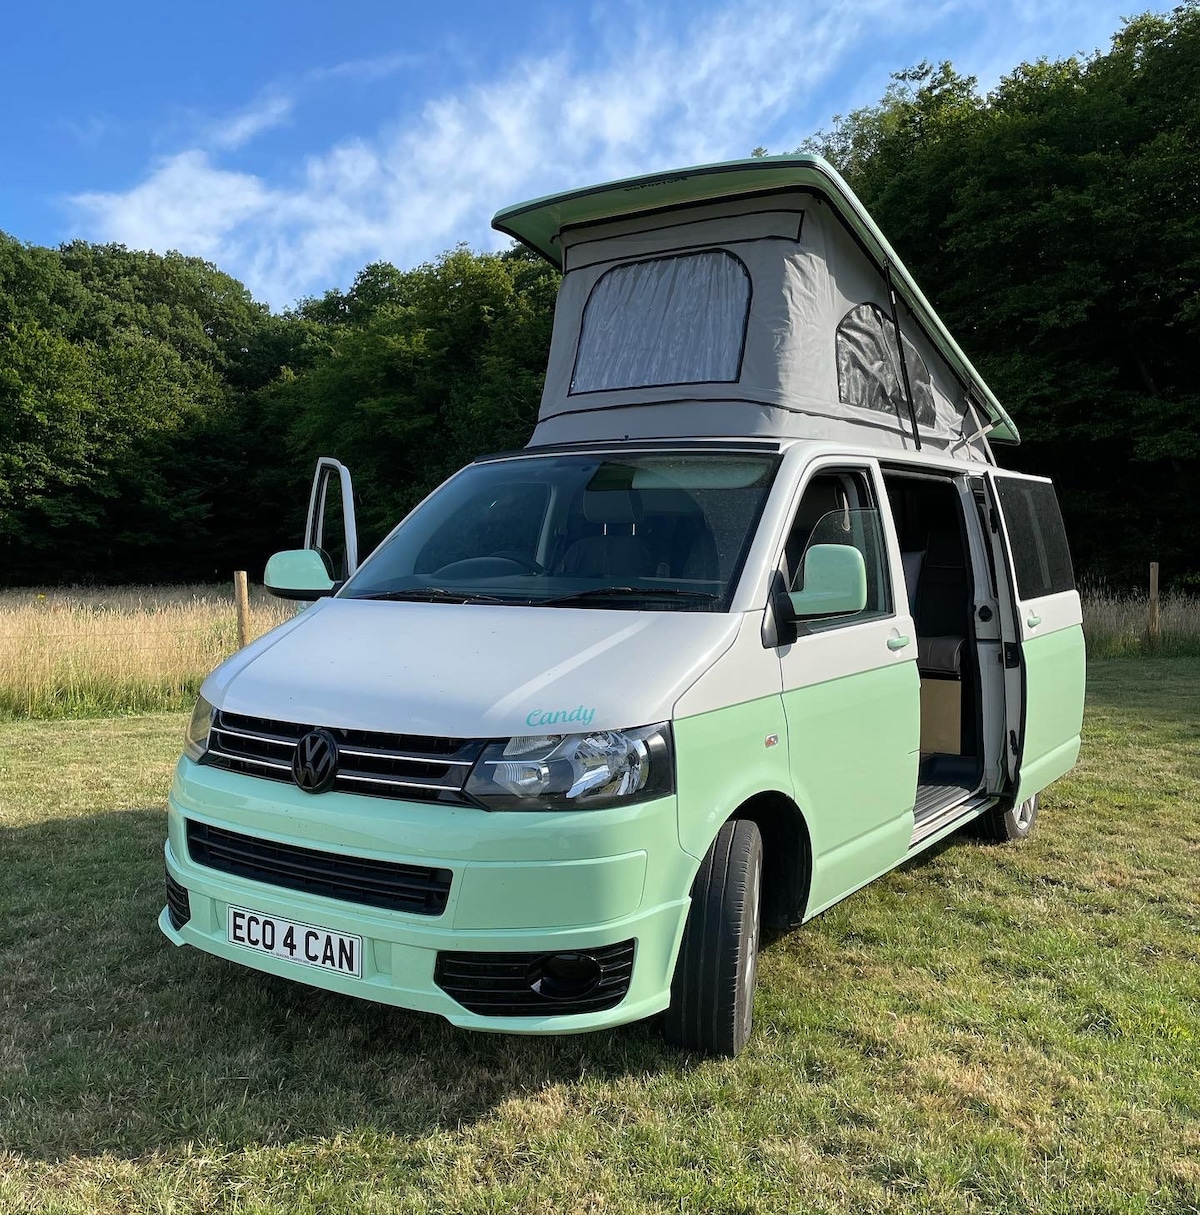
(522, 883)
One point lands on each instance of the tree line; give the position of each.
(157, 424)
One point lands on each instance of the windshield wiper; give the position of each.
(629, 592)
(433, 594)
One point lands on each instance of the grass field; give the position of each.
(988, 1030)
(72, 652)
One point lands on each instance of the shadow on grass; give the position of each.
(113, 1040)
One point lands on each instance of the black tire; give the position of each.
(712, 992)
(1006, 826)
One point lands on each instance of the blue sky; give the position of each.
(294, 142)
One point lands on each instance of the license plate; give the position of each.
(304, 943)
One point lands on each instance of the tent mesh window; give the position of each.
(868, 363)
(669, 320)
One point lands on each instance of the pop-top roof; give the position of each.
(540, 223)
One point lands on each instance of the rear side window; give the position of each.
(868, 365)
(672, 320)
(1041, 559)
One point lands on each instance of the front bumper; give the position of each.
(523, 882)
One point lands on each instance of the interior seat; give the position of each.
(941, 607)
(617, 551)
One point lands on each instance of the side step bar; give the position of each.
(957, 811)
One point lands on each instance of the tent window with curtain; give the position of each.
(868, 364)
(670, 320)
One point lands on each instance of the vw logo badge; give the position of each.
(314, 765)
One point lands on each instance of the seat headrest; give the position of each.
(612, 506)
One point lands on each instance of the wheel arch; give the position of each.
(787, 856)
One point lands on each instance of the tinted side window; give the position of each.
(839, 508)
(1041, 559)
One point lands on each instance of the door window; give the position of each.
(839, 507)
(1041, 559)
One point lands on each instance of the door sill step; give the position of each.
(962, 810)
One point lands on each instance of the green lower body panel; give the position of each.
(855, 745)
(517, 883)
(1055, 676)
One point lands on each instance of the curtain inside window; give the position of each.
(672, 320)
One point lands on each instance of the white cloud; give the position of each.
(185, 203)
(269, 111)
(647, 98)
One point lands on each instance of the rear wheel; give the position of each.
(712, 993)
(1005, 826)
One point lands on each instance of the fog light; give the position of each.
(565, 976)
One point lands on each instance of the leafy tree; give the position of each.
(425, 368)
(1053, 223)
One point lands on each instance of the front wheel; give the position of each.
(712, 993)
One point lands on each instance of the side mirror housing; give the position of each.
(835, 582)
(299, 573)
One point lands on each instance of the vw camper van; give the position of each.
(754, 618)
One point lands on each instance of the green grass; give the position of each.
(989, 1029)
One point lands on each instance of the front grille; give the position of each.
(502, 984)
(179, 907)
(353, 879)
(404, 766)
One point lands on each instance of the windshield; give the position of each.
(664, 531)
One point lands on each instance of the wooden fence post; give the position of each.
(1155, 622)
(241, 596)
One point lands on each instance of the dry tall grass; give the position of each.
(77, 652)
(1117, 625)
(74, 651)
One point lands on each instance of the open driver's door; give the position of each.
(1043, 633)
(331, 503)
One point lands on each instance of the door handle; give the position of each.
(1033, 620)
(897, 643)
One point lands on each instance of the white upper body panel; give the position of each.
(471, 670)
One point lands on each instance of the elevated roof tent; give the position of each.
(751, 298)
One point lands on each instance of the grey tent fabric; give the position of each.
(650, 306)
(668, 320)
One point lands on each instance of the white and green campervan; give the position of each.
(753, 619)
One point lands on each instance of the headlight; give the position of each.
(195, 737)
(575, 771)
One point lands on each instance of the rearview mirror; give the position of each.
(298, 573)
(835, 582)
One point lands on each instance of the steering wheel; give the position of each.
(527, 566)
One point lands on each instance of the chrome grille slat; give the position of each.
(387, 780)
(265, 738)
(370, 763)
(408, 759)
(266, 763)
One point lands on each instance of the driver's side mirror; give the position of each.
(299, 573)
(835, 582)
